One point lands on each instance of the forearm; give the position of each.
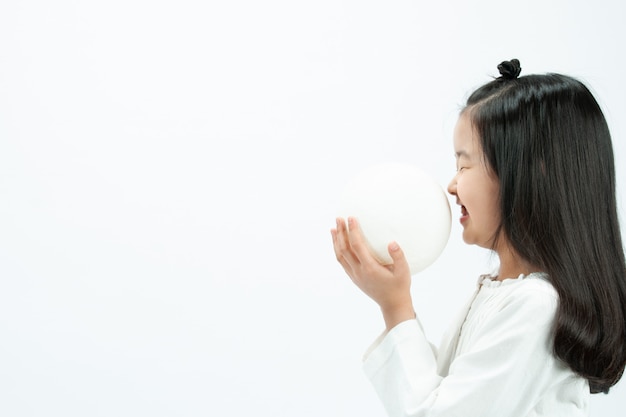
(400, 311)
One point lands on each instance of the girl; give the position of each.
(535, 183)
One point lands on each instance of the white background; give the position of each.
(170, 170)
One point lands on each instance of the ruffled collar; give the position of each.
(491, 281)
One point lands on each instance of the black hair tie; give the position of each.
(509, 70)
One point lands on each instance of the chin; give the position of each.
(473, 241)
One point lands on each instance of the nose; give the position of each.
(452, 186)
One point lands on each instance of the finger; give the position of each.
(337, 245)
(343, 250)
(340, 258)
(333, 233)
(400, 264)
(357, 242)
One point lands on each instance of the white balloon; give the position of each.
(399, 202)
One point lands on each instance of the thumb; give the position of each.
(400, 264)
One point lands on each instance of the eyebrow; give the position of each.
(461, 153)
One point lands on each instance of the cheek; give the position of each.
(492, 207)
(479, 194)
(465, 189)
(494, 198)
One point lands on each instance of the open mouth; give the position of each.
(464, 214)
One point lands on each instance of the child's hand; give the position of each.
(388, 285)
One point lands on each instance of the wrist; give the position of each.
(396, 314)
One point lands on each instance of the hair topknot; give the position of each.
(509, 70)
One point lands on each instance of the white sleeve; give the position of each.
(501, 372)
(402, 366)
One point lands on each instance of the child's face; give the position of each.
(475, 187)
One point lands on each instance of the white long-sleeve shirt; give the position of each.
(495, 361)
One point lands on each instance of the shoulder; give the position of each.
(531, 300)
(535, 286)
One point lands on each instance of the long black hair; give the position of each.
(547, 141)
